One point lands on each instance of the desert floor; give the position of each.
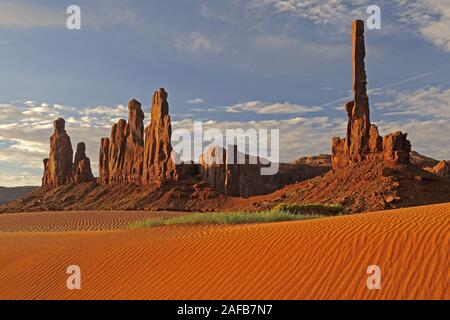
(316, 259)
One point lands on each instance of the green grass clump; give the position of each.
(226, 218)
(310, 209)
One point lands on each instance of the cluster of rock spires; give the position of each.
(135, 155)
(127, 157)
(60, 168)
(363, 141)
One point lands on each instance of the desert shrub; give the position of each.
(310, 209)
(225, 218)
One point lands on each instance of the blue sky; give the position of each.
(234, 63)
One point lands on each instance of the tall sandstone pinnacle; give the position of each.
(121, 156)
(363, 141)
(58, 166)
(159, 165)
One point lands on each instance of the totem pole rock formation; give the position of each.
(159, 165)
(58, 166)
(82, 171)
(127, 157)
(363, 141)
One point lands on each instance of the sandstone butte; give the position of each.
(442, 169)
(143, 157)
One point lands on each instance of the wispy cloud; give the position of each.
(271, 108)
(383, 90)
(28, 15)
(319, 12)
(260, 107)
(196, 101)
(429, 18)
(25, 14)
(197, 42)
(424, 102)
(19, 180)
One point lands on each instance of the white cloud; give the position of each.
(196, 42)
(25, 14)
(301, 48)
(425, 102)
(196, 101)
(29, 146)
(429, 137)
(320, 12)
(429, 18)
(19, 180)
(118, 111)
(30, 103)
(259, 107)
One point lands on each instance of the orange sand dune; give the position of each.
(319, 259)
(75, 221)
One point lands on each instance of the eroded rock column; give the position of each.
(158, 163)
(58, 166)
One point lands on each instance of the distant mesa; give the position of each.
(221, 168)
(442, 169)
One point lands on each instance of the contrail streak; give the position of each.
(423, 75)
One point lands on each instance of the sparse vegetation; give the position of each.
(310, 209)
(224, 218)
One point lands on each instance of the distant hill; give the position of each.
(10, 194)
(422, 161)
